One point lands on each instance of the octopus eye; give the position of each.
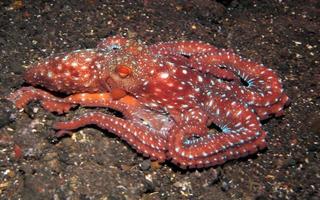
(123, 71)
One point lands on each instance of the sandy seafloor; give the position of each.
(94, 164)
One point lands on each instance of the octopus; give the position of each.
(187, 102)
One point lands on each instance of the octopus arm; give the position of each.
(241, 135)
(49, 102)
(192, 50)
(140, 137)
(263, 85)
(187, 48)
(264, 112)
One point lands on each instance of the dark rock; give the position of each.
(290, 162)
(315, 125)
(225, 186)
(313, 148)
(145, 165)
(215, 175)
(261, 197)
(6, 112)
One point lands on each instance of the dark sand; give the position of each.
(94, 164)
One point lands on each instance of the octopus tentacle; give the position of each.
(140, 137)
(239, 127)
(195, 122)
(189, 49)
(264, 112)
(264, 87)
(49, 102)
(127, 105)
(226, 65)
(52, 103)
(219, 71)
(130, 107)
(235, 152)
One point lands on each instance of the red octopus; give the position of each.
(169, 94)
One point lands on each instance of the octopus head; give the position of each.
(124, 73)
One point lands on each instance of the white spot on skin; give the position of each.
(84, 67)
(164, 75)
(88, 59)
(184, 71)
(145, 83)
(153, 104)
(238, 113)
(67, 73)
(200, 79)
(74, 64)
(170, 106)
(170, 84)
(50, 74)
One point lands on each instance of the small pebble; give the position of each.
(145, 165)
(225, 186)
(54, 165)
(6, 112)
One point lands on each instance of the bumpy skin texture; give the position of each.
(169, 93)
